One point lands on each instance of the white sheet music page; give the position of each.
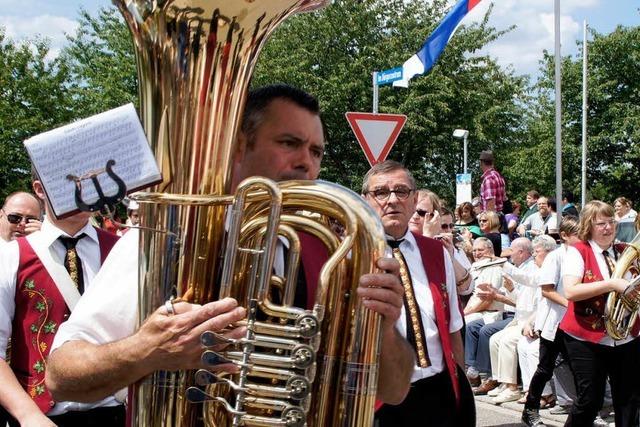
(86, 146)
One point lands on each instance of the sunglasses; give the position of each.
(424, 213)
(17, 219)
(483, 220)
(447, 226)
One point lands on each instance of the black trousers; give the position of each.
(431, 402)
(549, 351)
(591, 363)
(112, 416)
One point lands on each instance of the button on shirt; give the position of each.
(573, 265)
(526, 293)
(422, 294)
(89, 252)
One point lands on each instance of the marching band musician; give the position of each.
(41, 275)
(282, 137)
(431, 318)
(587, 270)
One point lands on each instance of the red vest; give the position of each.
(432, 254)
(40, 309)
(313, 255)
(584, 319)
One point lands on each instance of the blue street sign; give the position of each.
(389, 76)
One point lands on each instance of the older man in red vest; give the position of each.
(431, 319)
(42, 276)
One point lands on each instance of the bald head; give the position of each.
(521, 250)
(17, 211)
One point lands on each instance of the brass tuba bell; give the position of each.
(296, 366)
(621, 310)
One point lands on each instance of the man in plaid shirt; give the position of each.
(492, 189)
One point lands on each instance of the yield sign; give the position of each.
(376, 133)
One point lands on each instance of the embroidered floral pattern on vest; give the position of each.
(42, 326)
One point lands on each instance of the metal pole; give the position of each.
(558, 113)
(375, 92)
(465, 152)
(584, 114)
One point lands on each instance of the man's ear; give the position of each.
(38, 189)
(241, 148)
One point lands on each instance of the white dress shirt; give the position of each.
(88, 250)
(551, 313)
(422, 293)
(526, 294)
(573, 265)
(108, 310)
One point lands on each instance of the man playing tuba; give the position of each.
(281, 138)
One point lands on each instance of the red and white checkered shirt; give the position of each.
(492, 187)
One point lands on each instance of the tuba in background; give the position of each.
(621, 311)
(296, 367)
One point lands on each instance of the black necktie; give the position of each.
(72, 261)
(610, 264)
(415, 329)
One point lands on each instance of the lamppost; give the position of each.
(462, 133)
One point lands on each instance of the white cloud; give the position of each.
(522, 47)
(51, 27)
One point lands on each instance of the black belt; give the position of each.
(105, 416)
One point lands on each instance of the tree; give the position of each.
(33, 98)
(613, 122)
(332, 53)
(102, 63)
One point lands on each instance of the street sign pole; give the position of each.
(375, 92)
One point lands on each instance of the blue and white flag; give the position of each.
(427, 56)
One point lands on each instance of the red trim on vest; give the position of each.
(432, 253)
(584, 319)
(40, 309)
(313, 255)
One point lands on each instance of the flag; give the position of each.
(428, 54)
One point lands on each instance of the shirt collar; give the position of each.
(597, 249)
(49, 233)
(487, 172)
(408, 240)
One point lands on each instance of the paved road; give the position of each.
(508, 414)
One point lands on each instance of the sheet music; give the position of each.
(87, 145)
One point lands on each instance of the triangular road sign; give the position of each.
(376, 133)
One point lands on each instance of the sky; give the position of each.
(521, 48)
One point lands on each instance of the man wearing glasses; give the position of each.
(20, 215)
(431, 318)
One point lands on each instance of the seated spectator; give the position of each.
(513, 219)
(523, 272)
(490, 227)
(539, 222)
(21, 214)
(486, 273)
(623, 209)
(568, 207)
(466, 219)
(479, 331)
(532, 204)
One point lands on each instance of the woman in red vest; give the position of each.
(592, 353)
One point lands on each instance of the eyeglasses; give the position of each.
(447, 226)
(424, 213)
(603, 224)
(17, 218)
(382, 194)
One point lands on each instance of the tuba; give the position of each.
(621, 310)
(198, 243)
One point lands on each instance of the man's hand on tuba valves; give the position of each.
(173, 340)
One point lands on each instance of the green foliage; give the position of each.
(613, 122)
(332, 54)
(33, 98)
(102, 62)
